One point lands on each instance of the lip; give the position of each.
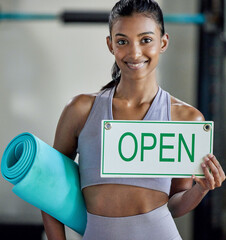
(136, 65)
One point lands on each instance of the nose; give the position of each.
(135, 51)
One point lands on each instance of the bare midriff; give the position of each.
(115, 200)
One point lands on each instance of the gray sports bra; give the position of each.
(89, 142)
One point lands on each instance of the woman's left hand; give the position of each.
(214, 174)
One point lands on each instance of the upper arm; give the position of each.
(70, 124)
(181, 111)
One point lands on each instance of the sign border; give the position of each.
(143, 121)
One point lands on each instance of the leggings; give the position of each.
(155, 225)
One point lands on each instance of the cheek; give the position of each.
(119, 54)
(154, 51)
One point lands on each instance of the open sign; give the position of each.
(154, 149)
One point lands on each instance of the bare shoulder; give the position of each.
(181, 111)
(71, 123)
(81, 103)
(78, 109)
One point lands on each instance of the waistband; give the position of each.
(155, 214)
(157, 224)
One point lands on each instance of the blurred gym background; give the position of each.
(45, 59)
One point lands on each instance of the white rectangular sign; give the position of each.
(154, 149)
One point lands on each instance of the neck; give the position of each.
(137, 90)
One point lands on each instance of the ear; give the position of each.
(164, 42)
(109, 43)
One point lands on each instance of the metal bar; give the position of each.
(26, 16)
(84, 17)
(94, 17)
(185, 18)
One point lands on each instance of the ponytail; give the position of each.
(116, 75)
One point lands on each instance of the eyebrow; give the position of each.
(140, 34)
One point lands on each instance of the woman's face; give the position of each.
(136, 44)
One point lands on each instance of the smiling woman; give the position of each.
(136, 45)
(130, 208)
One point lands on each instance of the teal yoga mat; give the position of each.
(46, 179)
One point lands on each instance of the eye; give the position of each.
(146, 40)
(122, 42)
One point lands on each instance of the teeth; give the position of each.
(135, 65)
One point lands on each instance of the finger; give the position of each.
(214, 171)
(198, 180)
(218, 166)
(201, 183)
(209, 177)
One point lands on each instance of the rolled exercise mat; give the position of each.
(46, 179)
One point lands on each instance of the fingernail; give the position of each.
(203, 165)
(210, 155)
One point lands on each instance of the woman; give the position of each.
(127, 208)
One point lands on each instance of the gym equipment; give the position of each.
(94, 17)
(46, 179)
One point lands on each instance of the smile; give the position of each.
(136, 66)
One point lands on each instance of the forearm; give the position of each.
(183, 202)
(53, 228)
